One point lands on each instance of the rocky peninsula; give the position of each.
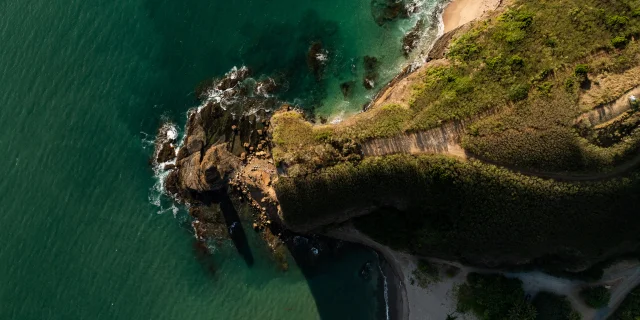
(369, 171)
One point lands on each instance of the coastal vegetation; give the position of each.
(550, 306)
(630, 307)
(494, 297)
(595, 297)
(434, 205)
(425, 274)
(520, 76)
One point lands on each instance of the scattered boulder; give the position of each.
(266, 87)
(370, 72)
(347, 89)
(316, 57)
(410, 40)
(385, 11)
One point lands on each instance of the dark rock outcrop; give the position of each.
(410, 40)
(347, 89)
(315, 59)
(385, 11)
(370, 72)
(166, 153)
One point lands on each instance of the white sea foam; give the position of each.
(323, 56)
(386, 291)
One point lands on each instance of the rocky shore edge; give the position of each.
(226, 153)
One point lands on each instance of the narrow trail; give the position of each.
(445, 140)
(609, 111)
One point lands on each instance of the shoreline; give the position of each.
(456, 15)
(398, 301)
(408, 301)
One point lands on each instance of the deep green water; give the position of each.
(85, 83)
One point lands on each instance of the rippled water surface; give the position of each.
(84, 85)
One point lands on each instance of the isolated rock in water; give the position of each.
(370, 64)
(233, 77)
(210, 222)
(368, 83)
(384, 11)
(316, 57)
(266, 87)
(164, 150)
(410, 40)
(370, 72)
(347, 89)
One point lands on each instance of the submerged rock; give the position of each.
(385, 11)
(411, 39)
(316, 58)
(370, 72)
(347, 89)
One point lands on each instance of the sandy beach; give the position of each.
(408, 300)
(460, 12)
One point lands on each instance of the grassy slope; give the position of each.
(526, 65)
(522, 65)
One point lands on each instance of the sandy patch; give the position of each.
(437, 300)
(460, 12)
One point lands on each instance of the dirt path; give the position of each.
(609, 111)
(442, 140)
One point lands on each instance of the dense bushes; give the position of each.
(595, 297)
(630, 307)
(494, 297)
(557, 43)
(550, 306)
(467, 210)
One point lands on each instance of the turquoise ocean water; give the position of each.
(84, 84)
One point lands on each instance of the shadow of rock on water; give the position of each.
(231, 220)
(344, 278)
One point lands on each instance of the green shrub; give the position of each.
(518, 92)
(619, 42)
(630, 307)
(426, 273)
(492, 297)
(513, 26)
(596, 297)
(569, 84)
(545, 88)
(616, 22)
(550, 306)
(516, 61)
(581, 70)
